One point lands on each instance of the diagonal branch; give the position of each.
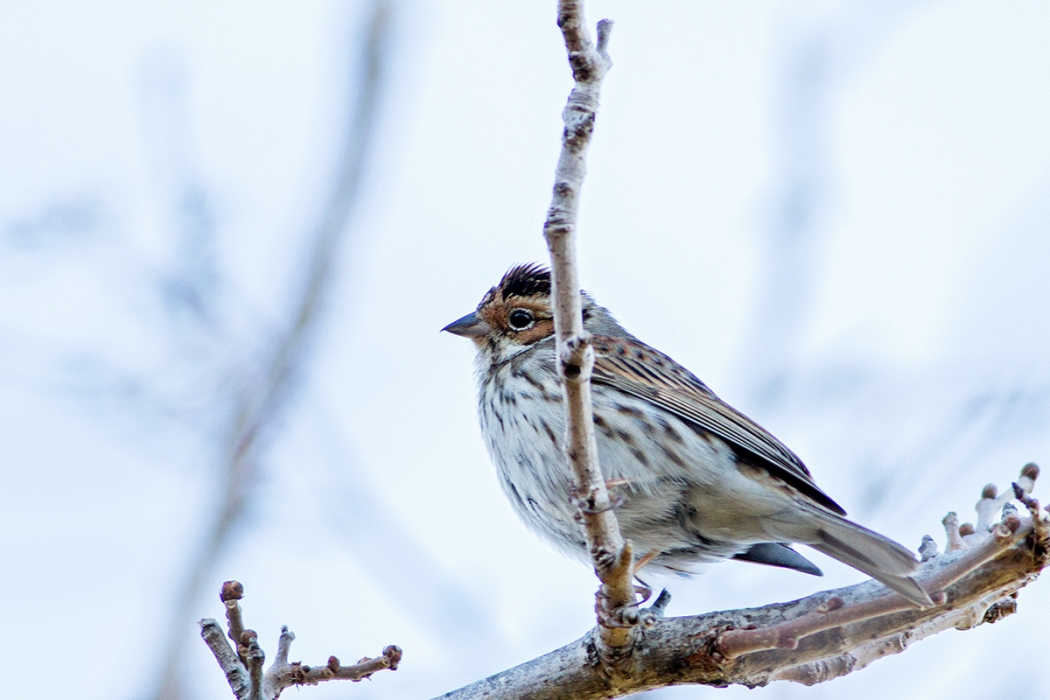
(258, 409)
(612, 557)
(808, 641)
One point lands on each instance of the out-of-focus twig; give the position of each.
(266, 395)
(190, 288)
(813, 59)
(438, 604)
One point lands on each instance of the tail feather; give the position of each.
(879, 557)
(863, 547)
(905, 585)
(776, 554)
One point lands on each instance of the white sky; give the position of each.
(920, 371)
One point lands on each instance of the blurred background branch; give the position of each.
(259, 408)
(818, 53)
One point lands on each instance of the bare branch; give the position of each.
(244, 670)
(236, 673)
(808, 641)
(613, 559)
(233, 591)
(280, 677)
(284, 645)
(834, 612)
(251, 650)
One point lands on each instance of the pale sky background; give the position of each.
(836, 213)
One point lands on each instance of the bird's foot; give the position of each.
(612, 615)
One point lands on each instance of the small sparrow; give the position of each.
(697, 480)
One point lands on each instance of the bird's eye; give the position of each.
(520, 319)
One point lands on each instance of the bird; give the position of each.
(696, 481)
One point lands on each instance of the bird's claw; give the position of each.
(612, 616)
(586, 506)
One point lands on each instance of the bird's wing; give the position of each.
(634, 368)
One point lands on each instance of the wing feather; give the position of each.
(625, 365)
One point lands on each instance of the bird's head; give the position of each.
(516, 314)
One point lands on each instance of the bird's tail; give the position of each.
(867, 551)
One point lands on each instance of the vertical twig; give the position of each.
(612, 557)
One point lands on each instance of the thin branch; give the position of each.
(245, 674)
(254, 653)
(809, 641)
(284, 645)
(613, 558)
(233, 591)
(254, 418)
(297, 674)
(236, 673)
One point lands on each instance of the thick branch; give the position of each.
(613, 560)
(835, 613)
(686, 649)
(808, 641)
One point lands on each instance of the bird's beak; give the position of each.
(470, 326)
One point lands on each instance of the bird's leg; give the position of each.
(615, 501)
(641, 563)
(617, 607)
(643, 589)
